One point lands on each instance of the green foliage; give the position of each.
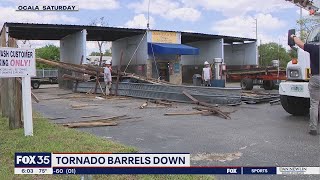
(106, 53)
(307, 24)
(272, 51)
(50, 52)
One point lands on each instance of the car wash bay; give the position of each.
(169, 55)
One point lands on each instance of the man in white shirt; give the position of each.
(207, 74)
(107, 77)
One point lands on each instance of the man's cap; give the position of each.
(206, 63)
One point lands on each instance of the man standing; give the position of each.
(207, 74)
(107, 77)
(314, 82)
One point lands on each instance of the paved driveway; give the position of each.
(257, 135)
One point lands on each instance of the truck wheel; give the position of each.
(247, 84)
(35, 84)
(296, 106)
(268, 85)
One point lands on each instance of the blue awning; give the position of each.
(171, 49)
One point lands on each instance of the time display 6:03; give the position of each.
(27, 171)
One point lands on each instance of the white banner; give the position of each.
(17, 62)
(120, 160)
(298, 170)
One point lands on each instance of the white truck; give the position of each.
(294, 93)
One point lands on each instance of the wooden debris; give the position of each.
(64, 94)
(90, 116)
(212, 107)
(74, 78)
(275, 102)
(151, 107)
(190, 97)
(183, 113)
(114, 118)
(144, 105)
(162, 102)
(83, 105)
(211, 110)
(57, 118)
(215, 109)
(91, 124)
(100, 98)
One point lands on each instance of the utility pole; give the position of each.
(256, 29)
(148, 24)
(300, 22)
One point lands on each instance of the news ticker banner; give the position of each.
(133, 163)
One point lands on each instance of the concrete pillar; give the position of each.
(72, 48)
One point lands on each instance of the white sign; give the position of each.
(17, 62)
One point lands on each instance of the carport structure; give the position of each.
(142, 48)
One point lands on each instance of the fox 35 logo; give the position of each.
(32, 160)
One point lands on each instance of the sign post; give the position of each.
(20, 62)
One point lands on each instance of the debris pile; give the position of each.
(255, 97)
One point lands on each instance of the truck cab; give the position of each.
(294, 93)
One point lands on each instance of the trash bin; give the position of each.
(218, 83)
(197, 80)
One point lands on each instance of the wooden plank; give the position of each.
(114, 118)
(57, 118)
(183, 113)
(213, 108)
(90, 116)
(190, 97)
(91, 124)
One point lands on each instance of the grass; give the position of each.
(49, 137)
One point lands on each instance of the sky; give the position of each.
(223, 17)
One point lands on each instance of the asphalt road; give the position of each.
(257, 135)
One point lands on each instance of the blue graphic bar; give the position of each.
(153, 170)
(259, 170)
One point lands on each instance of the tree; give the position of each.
(106, 53)
(307, 24)
(95, 54)
(273, 51)
(50, 52)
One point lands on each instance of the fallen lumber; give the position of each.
(114, 118)
(90, 116)
(65, 66)
(215, 109)
(212, 107)
(144, 105)
(91, 124)
(74, 78)
(161, 102)
(211, 110)
(83, 105)
(57, 118)
(190, 97)
(183, 113)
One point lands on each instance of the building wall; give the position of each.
(72, 48)
(129, 45)
(240, 54)
(208, 51)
